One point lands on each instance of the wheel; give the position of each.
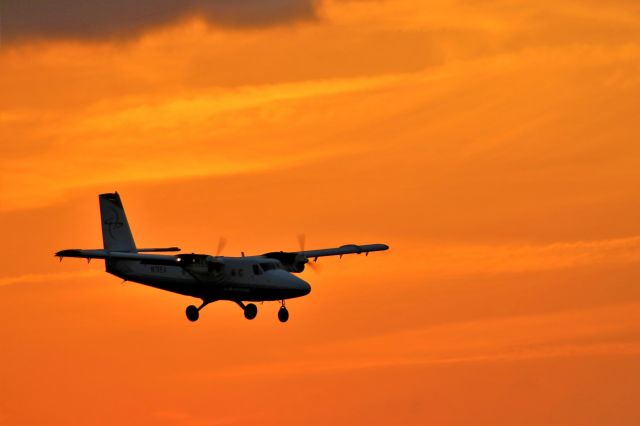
(283, 314)
(250, 311)
(192, 313)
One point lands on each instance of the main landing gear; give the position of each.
(193, 313)
(250, 310)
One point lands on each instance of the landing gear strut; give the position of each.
(193, 313)
(283, 314)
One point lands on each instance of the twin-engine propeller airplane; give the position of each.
(267, 277)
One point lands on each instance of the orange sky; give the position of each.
(493, 146)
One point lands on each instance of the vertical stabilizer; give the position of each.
(116, 234)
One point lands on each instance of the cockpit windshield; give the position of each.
(269, 266)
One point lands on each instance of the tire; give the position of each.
(250, 311)
(283, 314)
(192, 313)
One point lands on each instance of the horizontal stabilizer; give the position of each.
(149, 250)
(106, 254)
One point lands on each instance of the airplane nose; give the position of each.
(300, 285)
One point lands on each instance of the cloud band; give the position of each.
(96, 19)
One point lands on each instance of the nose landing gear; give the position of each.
(283, 313)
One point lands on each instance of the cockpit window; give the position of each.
(269, 266)
(257, 270)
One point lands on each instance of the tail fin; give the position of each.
(116, 234)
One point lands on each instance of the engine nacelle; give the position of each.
(299, 264)
(291, 261)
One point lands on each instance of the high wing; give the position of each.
(156, 259)
(342, 250)
(295, 261)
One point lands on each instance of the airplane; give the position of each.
(260, 278)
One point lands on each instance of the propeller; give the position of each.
(222, 242)
(302, 239)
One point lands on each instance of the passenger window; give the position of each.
(215, 268)
(233, 272)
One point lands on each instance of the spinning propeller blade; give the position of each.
(302, 239)
(222, 242)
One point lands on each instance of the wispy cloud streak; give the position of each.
(450, 260)
(43, 278)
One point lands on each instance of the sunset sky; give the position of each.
(494, 145)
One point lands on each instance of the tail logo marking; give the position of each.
(114, 222)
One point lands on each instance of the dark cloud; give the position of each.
(81, 19)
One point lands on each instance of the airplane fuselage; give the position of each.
(253, 278)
